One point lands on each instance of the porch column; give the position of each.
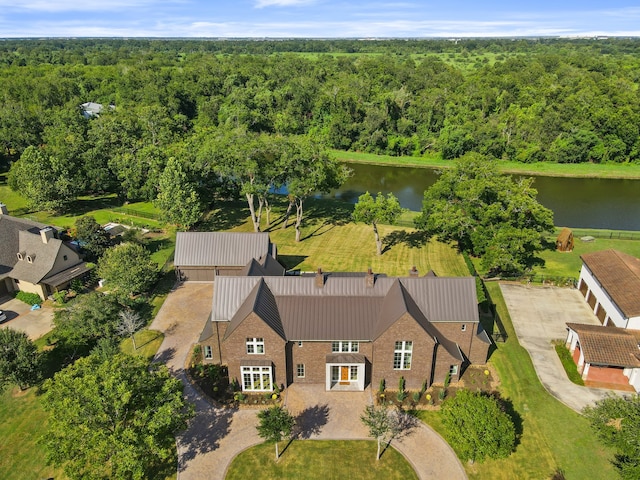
(585, 372)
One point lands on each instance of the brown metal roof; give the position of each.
(345, 358)
(219, 249)
(619, 275)
(610, 346)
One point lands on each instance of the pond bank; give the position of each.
(542, 169)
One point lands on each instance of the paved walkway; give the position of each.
(539, 316)
(215, 436)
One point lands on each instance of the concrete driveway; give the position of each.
(539, 315)
(34, 323)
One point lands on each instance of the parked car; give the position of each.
(3, 316)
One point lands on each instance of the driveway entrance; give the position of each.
(539, 316)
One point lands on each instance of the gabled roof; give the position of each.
(619, 275)
(261, 302)
(219, 249)
(610, 346)
(9, 239)
(344, 308)
(43, 257)
(266, 266)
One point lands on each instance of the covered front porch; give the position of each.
(345, 372)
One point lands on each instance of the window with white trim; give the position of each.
(353, 373)
(300, 370)
(345, 346)
(208, 352)
(453, 370)
(257, 379)
(402, 355)
(255, 346)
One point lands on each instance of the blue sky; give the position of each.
(316, 18)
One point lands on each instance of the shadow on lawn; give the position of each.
(226, 215)
(291, 261)
(411, 239)
(204, 433)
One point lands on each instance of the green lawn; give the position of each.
(147, 341)
(322, 460)
(554, 437)
(434, 160)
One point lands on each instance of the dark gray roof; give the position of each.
(219, 249)
(9, 241)
(344, 308)
(345, 358)
(66, 275)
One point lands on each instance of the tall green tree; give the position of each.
(128, 269)
(20, 362)
(114, 418)
(275, 423)
(616, 420)
(379, 210)
(178, 198)
(93, 238)
(477, 426)
(488, 214)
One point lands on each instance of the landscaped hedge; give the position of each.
(30, 298)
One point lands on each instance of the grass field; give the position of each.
(321, 460)
(554, 437)
(586, 170)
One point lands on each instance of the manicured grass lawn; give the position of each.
(22, 422)
(568, 264)
(322, 460)
(569, 366)
(542, 168)
(554, 437)
(331, 241)
(147, 341)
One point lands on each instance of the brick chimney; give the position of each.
(413, 272)
(319, 278)
(370, 278)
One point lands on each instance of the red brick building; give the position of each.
(343, 330)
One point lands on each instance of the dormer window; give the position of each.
(21, 255)
(31, 258)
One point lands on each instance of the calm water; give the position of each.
(576, 202)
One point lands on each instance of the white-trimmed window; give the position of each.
(453, 370)
(353, 372)
(402, 355)
(300, 370)
(257, 379)
(345, 346)
(208, 352)
(255, 346)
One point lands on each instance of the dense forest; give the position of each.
(526, 100)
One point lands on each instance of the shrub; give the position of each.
(416, 396)
(29, 298)
(402, 395)
(382, 386)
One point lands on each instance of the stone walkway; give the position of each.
(215, 436)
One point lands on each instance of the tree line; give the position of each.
(556, 101)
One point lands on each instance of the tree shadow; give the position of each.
(310, 421)
(331, 211)
(404, 425)
(319, 230)
(506, 405)
(85, 205)
(411, 239)
(164, 356)
(204, 433)
(226, 215)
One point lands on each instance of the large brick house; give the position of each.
(610, 353)
(343, 330)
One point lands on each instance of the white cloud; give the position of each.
(72, 6)
(283, 3)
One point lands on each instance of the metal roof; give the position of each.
(619, 275)
(345, 308)
(219, 249)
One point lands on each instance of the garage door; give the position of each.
(197, 274)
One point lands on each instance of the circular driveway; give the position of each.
(539, 316)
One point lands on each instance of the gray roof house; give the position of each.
(201, 256)
(33, 259)
(344, 330)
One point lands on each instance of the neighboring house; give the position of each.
(33, 260)
(202, 256)
(610, 283)
(343, 330)
(91, 109)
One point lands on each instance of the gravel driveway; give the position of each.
(539, 315)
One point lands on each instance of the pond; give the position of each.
(576, 202)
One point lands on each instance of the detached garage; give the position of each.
(201, 256)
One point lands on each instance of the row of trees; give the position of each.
(559, 102)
